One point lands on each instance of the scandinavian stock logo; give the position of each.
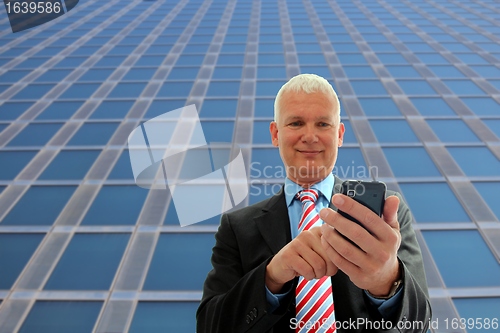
(170, 152)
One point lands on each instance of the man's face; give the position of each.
(308, 135)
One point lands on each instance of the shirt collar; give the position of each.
(325, 188)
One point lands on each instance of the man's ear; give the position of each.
(341, 134)
(273, 129)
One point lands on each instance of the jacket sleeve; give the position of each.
(234, 298)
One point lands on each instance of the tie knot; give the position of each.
(309, 195)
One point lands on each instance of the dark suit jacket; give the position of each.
(234, 297)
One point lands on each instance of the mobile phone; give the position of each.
(369, 193)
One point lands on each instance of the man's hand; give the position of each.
(303, 256)
(374, 265)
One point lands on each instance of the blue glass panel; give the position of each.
(368, 88)
(10, 111)
(116, 205)
(13, 76)
(183, 73)
(227, 73)
(53, 75)
(175, 258)
(70, 164)
(62, 317)
(60, 110)
(270, 48)
(175, 89)
(152, 317)
(483, 106)
(122, 168)
(410, 162)
(213, 108)
(13, 162)
(112, 110)
(159, 107)
(40, 205)
(393, 131)
(451, 249)
(414, 87)
(463, 87)
(489, 191)
(231, 88)
(476, 161)
(402, 71)
(350, 164)
(196, 48)
(233, 47)
(446, 71)
(85, 50)
(264, 108)
(377, 47)
(388, 58)
(409, 38)
(351, 58)
(127, 90)
(419, 47)
(93, 134)
(113, 61)
(96, 75)
(494, 125)
(139, 74)
(266, 157)
(307, 47)
(433, 202)
(261, 133)
(470, 58)
(218, 131)
(32, 63)
(487, 71)
(359, 71)
(495, 83)
(349, 136)
(271, 59)
(311, 58)
(70, 62)
(273, 72)
(432, 107)
(148, 61)
(484, 308)
(35, 135)
(15, 251)
(80, 90)
(49, 51)
(351, 47)
(268, 88)
(84, 267)
(189, 60)
(379, 107)
(153, 49)
(33, 91)
(230, 59)
(428, 58)
(452, 131)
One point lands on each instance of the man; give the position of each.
(262, 261)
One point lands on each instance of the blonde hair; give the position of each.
(308, 83)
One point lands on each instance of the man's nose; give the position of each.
(310, 134)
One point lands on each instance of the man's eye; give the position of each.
(324, 124)
(295, 123)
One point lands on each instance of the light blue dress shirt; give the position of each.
(325, 188)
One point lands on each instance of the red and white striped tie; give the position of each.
(314, 300)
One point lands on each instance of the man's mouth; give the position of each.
(309, 152)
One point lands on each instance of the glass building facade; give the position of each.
(83, 249)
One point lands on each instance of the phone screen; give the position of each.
(369, 194)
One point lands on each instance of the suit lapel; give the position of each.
(274, 222)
